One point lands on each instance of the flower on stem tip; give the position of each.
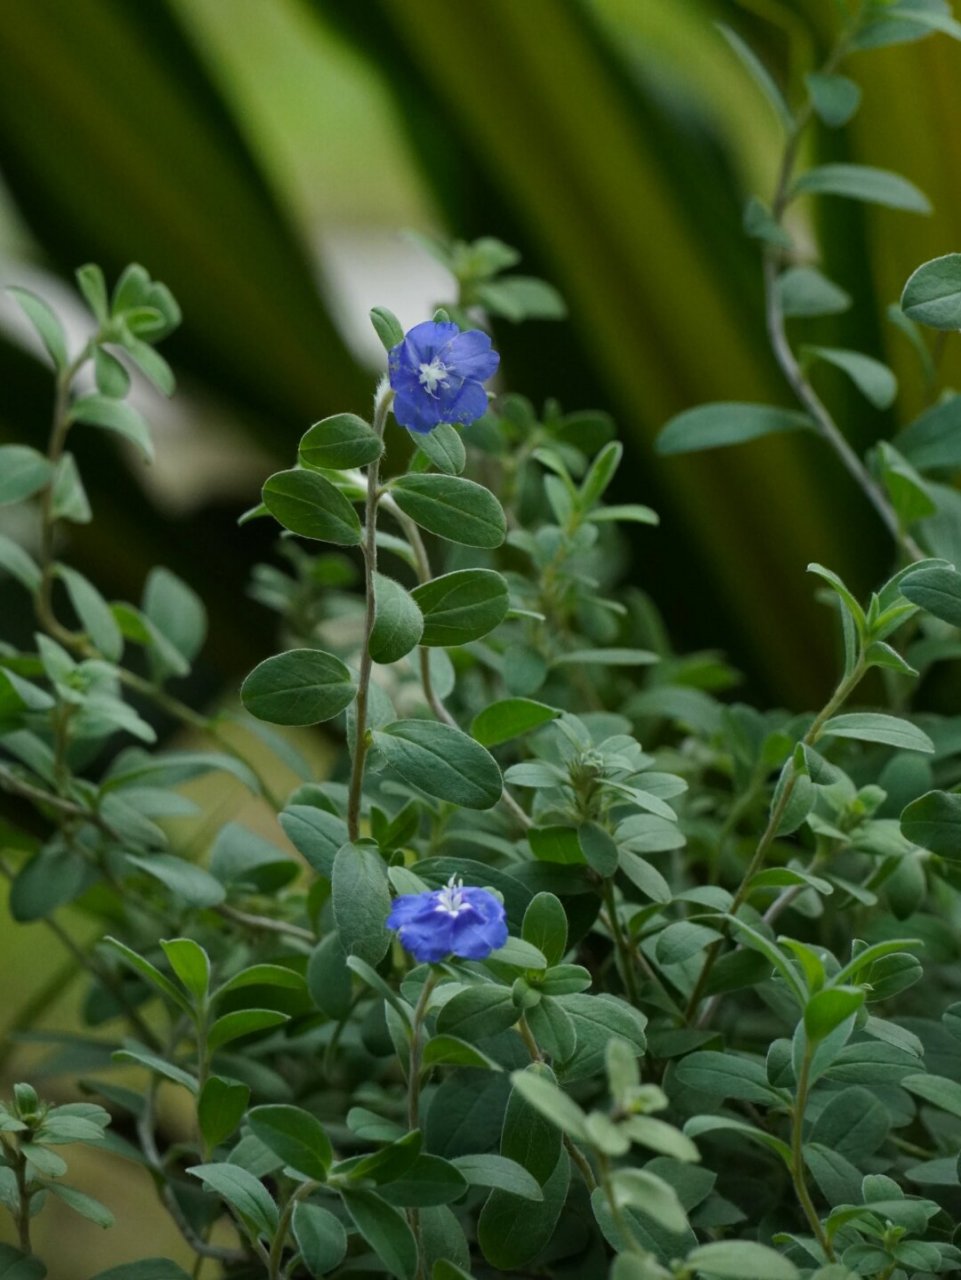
(436, 374)
(456, 920)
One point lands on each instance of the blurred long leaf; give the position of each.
(117, 146)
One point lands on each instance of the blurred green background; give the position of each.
(262, 157)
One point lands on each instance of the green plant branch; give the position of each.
(422, 560)
(795, 376)
(624, 951)
(148, 1143)
(265, 924)
(87, 960)
(798, 1176)
(276, 1257)
(382, 402)
(837, 700)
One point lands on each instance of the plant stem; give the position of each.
(23, 1196)
(265, 924)
(797, 1156)
(837, 699)
(776, 327)
(148, 1143)
(382, 403)
(412, 533)
(624, 954)
(576, 1155)
(59, 428)
(283, 1226)
(413, 1095)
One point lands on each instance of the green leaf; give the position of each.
(299, 687)
(598, 848)
(243, 1192)
(23, 472)
(835, 98)
(112, 378)
(683, 939)
(221, 1108)
(519, 298)
(385, 1230)
(909, 494)
(320, 1237)
(461, 606)
(726, 1075)
(398, 622)
(114, 415)
(873, 379)
(650, 1195)
(478, 1012)
(861, 182)
(243, 1022)
(512, 1230)
(827, 1009)
(442, 762)
(510, 718)
(741, 1260)
(630, 513)
(191, 884)
(70, 501)
(148, 971)
(315, 833)
(498, 1171)
(869, 726)
(444, 448)
(713, 1124)
(712, 426)
(388, 328)
(190, 963)
(94, 613)
(938, 1090)
(760, 74)
(43, 318)
(176, 611)
(804, 291)
(606, 658)
(338, 442)
(296, 1136)
(452, 507)
(553, 1103)
(261, 975)
(85, 1205)
(447, 1050)
(307, 504)
(159, 1066)
(760, 224)
(361, 900)
(545, 926)
(933, 821)
(936, 589)
(932, 295)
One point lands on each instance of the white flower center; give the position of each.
(450, 899)
(433, 375)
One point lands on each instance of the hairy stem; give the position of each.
(798, 1176)
(23, 1198)
(382, 405)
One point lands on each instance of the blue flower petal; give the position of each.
(405, 908)
(469, 404)
(475, 939)
(470, 355)
(416, 414)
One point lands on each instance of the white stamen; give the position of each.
(433, 375)
(450, 899)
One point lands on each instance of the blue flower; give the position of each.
(436, 374)
(456, 920)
